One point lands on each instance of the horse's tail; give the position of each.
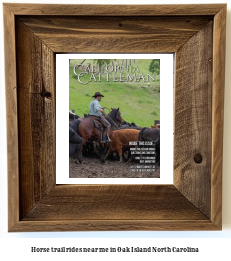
(140, 137)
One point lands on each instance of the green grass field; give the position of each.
(137, 104)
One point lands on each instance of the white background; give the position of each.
(166, 116)
(213, 245)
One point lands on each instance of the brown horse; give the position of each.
(88, 131)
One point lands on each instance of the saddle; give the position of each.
(99, 126)
(97, 123)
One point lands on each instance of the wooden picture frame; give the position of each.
(34, 33)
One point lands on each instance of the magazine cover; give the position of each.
(114, 117)
(114, 108)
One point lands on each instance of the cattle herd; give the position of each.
(121, 135)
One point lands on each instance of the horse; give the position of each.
(114, 118)
(89, 132)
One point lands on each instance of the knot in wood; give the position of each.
(198, 158)
(45, 94)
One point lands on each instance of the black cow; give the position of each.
(72, 116)
(150, 134)
(74, 137)
(128, 125)
(75, 141)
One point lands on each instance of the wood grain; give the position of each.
(114, 225)
(36, 106)
(114, 34)
(12, 121)
(115, 207)
(115, 10)
(196, 33)
(193, 103)
(218, 114)
(108, 202)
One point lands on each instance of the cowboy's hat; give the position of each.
(97, 94)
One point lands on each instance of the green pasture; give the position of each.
(138, 102)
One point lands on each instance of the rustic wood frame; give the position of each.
(33, 34)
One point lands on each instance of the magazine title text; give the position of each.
(115, 73)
